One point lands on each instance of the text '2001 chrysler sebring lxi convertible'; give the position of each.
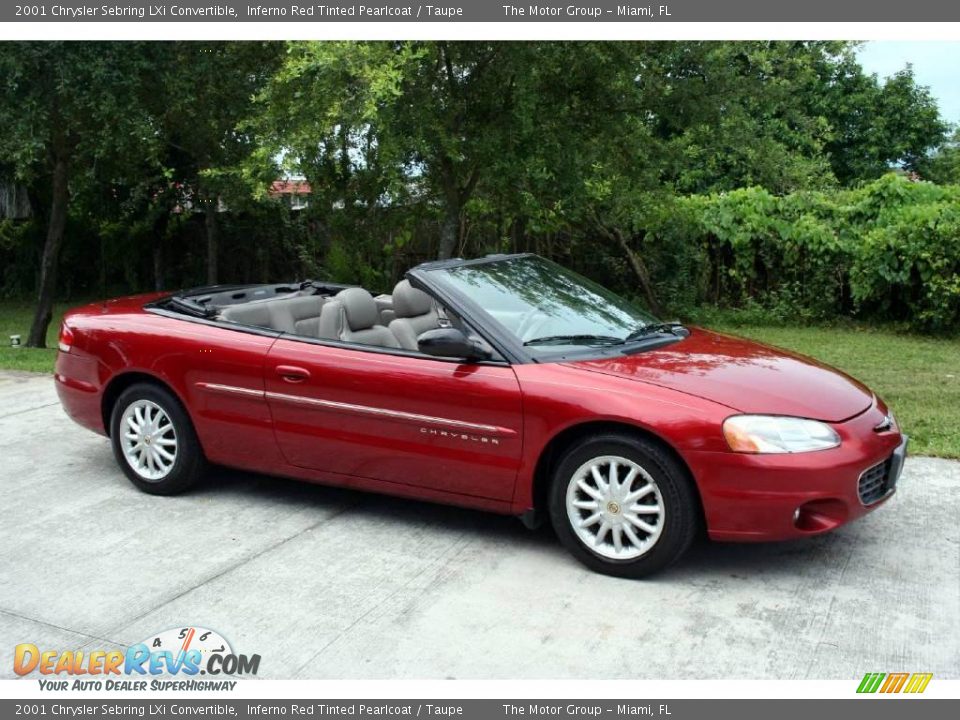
(505, 383)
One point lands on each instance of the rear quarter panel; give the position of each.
(114, 339)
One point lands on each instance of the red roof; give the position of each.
(290, 187)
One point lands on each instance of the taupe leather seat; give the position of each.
(294, 315)
(352, 317)
(256, 313)
(298, 315)
(416, 313)
(385, 308)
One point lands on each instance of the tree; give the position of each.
(731, 114)
(435, 118)
(635, 123)
(577, 137)
(943, 165)
(459, 105)
(204, 94)
(68, 109)
(876, 125)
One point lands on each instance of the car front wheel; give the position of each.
(154, 441)
(623, 505)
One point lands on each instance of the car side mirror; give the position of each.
(453, 343)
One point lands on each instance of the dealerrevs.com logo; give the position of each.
(171, 660)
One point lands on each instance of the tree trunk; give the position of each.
(159, 237)
(263, 262)
(449, 230)
(51, 252)
(640, 270)
(102, 270)
(455, 197)
(212, 240)
(158, 281)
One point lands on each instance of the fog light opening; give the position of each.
(819, 516)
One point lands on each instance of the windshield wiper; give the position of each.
(674, 328)
(575, 340)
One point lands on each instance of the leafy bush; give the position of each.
(910, 266)
(889, 250)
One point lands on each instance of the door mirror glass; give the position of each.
(453, 343)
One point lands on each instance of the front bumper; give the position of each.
(781, 497)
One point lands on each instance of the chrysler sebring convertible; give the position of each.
(505, 383)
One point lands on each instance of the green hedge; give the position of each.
(889, 250)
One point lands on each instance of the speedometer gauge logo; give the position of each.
(195, 639)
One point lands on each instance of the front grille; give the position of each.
(874, 483)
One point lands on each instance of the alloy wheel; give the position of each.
(615, 508)
(148, 440)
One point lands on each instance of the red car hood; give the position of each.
(744, 375)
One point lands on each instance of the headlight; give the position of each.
(776, 434)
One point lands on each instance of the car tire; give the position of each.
(154, 441)
(639, 540)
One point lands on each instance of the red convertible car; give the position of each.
(505, 383)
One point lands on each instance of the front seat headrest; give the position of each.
(408, 301)
(359, 308)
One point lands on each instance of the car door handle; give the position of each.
(292, 373)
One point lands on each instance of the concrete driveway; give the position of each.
(325, 583)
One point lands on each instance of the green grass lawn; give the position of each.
(15, 318)
(918, 377)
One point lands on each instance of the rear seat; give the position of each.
(256, 314)
(385, 308)
(296, 315)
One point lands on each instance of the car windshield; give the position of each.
(545, 306)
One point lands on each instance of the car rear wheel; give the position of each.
(154, 441)
(623, 505)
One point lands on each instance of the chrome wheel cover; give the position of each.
(148, 440)
(615, 508)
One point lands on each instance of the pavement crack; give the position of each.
(27, 410)
(28, 618)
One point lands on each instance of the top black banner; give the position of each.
(482, 11)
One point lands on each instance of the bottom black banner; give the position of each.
(876, 708)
